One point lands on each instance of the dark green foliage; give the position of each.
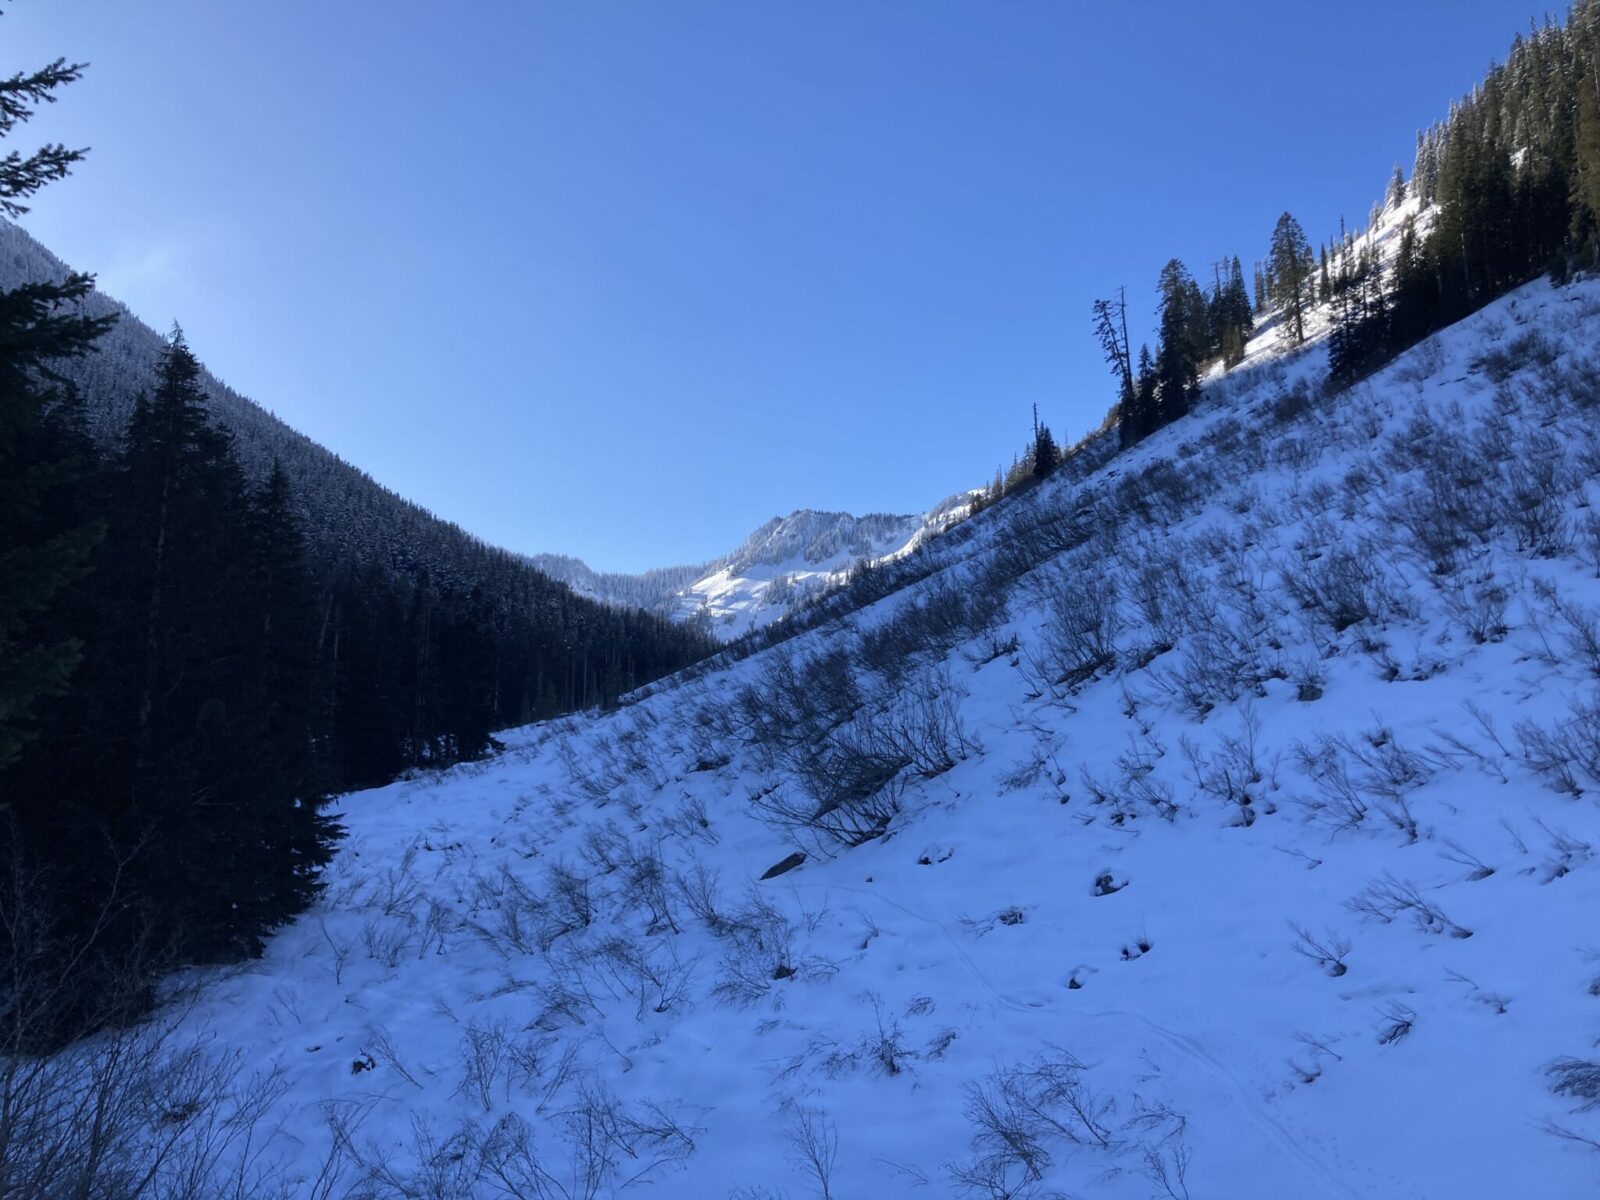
(40, 554)
(1184, 344)
(1046, 456)
(1514, 172)
(1290, 276)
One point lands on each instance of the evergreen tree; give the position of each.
(1397, 188)
(1290, 256)
(1183, 341)
(1046, 455)
(1138, 419)
(39, 327)
(1586, 169)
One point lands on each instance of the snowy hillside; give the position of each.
(1217, 821)
(782, 565)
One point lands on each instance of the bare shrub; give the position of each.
(645, 886)
(1533, 498)
(761, 952)
(1328, 951)
(885, 1044)
(1395, 1021)
(1082, 621)
(605, 1148)
(1566, 755)
(1234, 773)
(814, 1147)
(1388, 897)
(1343, 585)
(1479, 606)
(484, 1052)
(651, 974)
(1355, 778)
(1577, 1079)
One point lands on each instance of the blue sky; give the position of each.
(623, 280)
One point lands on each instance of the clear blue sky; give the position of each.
(623, 280)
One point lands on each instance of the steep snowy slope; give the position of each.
(1217, 821)
(782, 565)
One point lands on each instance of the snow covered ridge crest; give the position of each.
(1219, 821)
(784, 564)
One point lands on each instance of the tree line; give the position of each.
(1513, 178)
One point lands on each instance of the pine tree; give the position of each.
(1290, 256)
(1182, 345)
(1586, 172)
(1046, 455)
(39, 325)
(1397, 188)
(279, 638)
(1111, 327)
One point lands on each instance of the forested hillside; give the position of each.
(210, 625)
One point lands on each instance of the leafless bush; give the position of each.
(1082, 621)
(945, 613)
(135, 1113)
(394, 890)
(1577, 1079)
(850, 792)
(1502, 361)
(761, 951)
(1448, 504)
(1395, 1021)
(814, 1147)
(604, 1148)
(645, 886)
(1572, 383)
(1343, 585)
(505, 912)
(1234, 773)
(1477, 869)
(569, 905)
(1532, 501)
(1478, 605)
(691, 822)
(1166, 588)
(1161, 494)
(793, 707)
(340, 949)
(884, 1045)
(484, 1054)
(1167, 1166)
(1339, 804)
(1566, 852)
(1328, 951)
(386, 940)
(1017, 1112)
(1219, 663)
(697, 890)
(651, 974)
(1356, 777)
(1567, 755)
(382, 1048)
(923, 725)
(1388, 897)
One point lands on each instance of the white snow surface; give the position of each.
(1397, 801)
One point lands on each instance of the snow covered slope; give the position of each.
(782, 565)
(1214, 821)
